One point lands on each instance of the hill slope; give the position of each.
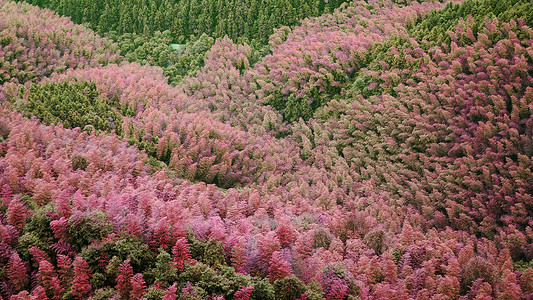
(369, 156)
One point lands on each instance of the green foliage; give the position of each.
(434, 26)
(98, 281)
(73, 104)
(523, 265)
(112, 268)
(296, 108)
(196, 247)
(376, 239)
(322, 238)
(214, 253)
(254, 20)
(478, 267)
(314, 291)
(263, 290)
(39, 225)
(155, 50)
(146, 49)
(86, 227)
(155, 165)
(367, 81)
(154, 293)
(79, 162)
(27, 241)
(224, 281)
(208, 279)
(189, 58)
(29, 202)
(238, 280)
(104, 294)
(164, 271)
(68, 296)
(119, 250)
(289, 288)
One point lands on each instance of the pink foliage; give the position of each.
(40, 43)
(38, 254)
(181, 253)
(17, 272)
(124, 279)
(138, 286)
(243, 293)
(278, 267)
(81, 286)
(17, 213)
(60, 227)
(170, 293)
(45, 274)
(422, 194)
(7, 195)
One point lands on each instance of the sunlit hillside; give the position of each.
(378, 150)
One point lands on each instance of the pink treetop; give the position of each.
(17, 272)
(81, 286)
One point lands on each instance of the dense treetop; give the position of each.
(380, 151)
(36, 43)
(252, 20)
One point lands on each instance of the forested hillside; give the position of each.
(252, 20)
(382, 150)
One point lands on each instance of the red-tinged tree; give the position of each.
(17, 272)
(238, 255)
(385, 290)
(38, 254)
(449, 286)
(62, 247)
(278, 267)
(452, 268)
(510, 287)
(389, 267)
(5, 235)
(138, 286)
(81, 286)
(63, 204)
(336, 282)
(45, 274)
(64, 264)
(5, 253)
(286, 232)
(7, 195)
(170, 292)
(268, 244)
(133, 226)
(22, 295)
(38, 293)
(526, 281)
(17, 213)
(243, 293)
(337, 291)
(124, 284)
(42, 43)
(161, 237)
(57, 288)
(189, 292)
(466, 254)
(181, 253)
(217, 230)
(60, 228)
(480, 290)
